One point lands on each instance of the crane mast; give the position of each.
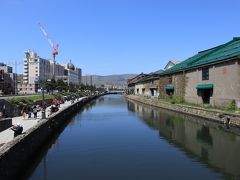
(54, 46)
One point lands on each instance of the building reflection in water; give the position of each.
(206, 142)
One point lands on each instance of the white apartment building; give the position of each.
(36, 69)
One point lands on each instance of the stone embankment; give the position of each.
(218, 116)
(16, 154)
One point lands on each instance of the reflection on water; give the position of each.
(204, 135)
(112, 138)
(207, 142)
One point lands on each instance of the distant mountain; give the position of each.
(116, 80)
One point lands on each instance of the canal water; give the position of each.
(112, 138)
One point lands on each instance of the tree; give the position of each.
(61, 85)
(72, 87)
(82, 87)
(50, 86)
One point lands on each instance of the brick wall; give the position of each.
(177, 80)
(163, 81)
(179, 84)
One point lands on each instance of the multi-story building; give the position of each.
(79, 70)
(8, 83)
(28, 88)
(36, 69)
(87, 80)
(57, 68)
(73, 74)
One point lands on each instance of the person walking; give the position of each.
(43, 109)
(29, 111)
(35, 111)
(23, 112)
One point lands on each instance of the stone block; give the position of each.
(5, 123)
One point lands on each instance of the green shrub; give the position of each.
(11, 100)
(220, 115)
(15, 101)
(57, 96)
(172, 101)
(177, 100)
(231, 106)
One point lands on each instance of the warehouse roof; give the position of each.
(213, 55)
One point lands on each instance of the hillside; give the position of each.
(116, 80)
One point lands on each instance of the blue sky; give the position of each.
(116, 36)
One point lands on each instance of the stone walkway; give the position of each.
(7, 135)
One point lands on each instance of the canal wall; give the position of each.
(9, 110)
(222, 117)
(15, 155)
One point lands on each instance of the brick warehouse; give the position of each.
(210, 77)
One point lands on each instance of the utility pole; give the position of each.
(15, 64)
(43, 102)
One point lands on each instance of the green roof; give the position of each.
(213, 55)
(150, 76)
(204, 86)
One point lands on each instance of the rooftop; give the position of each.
(219, 53)
(150, 76)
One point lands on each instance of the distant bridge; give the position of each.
(116, 92)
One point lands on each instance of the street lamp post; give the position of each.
(43, 100)
(43, 103)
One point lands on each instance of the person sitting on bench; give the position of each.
(17, 129)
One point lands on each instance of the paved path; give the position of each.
(7, 135)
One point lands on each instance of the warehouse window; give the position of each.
(205, 73)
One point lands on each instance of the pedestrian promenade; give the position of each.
(8, 135)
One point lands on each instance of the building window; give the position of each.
(170, 80)
(205, 73)
(143, 91)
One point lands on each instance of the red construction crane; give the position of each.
(54, 46)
